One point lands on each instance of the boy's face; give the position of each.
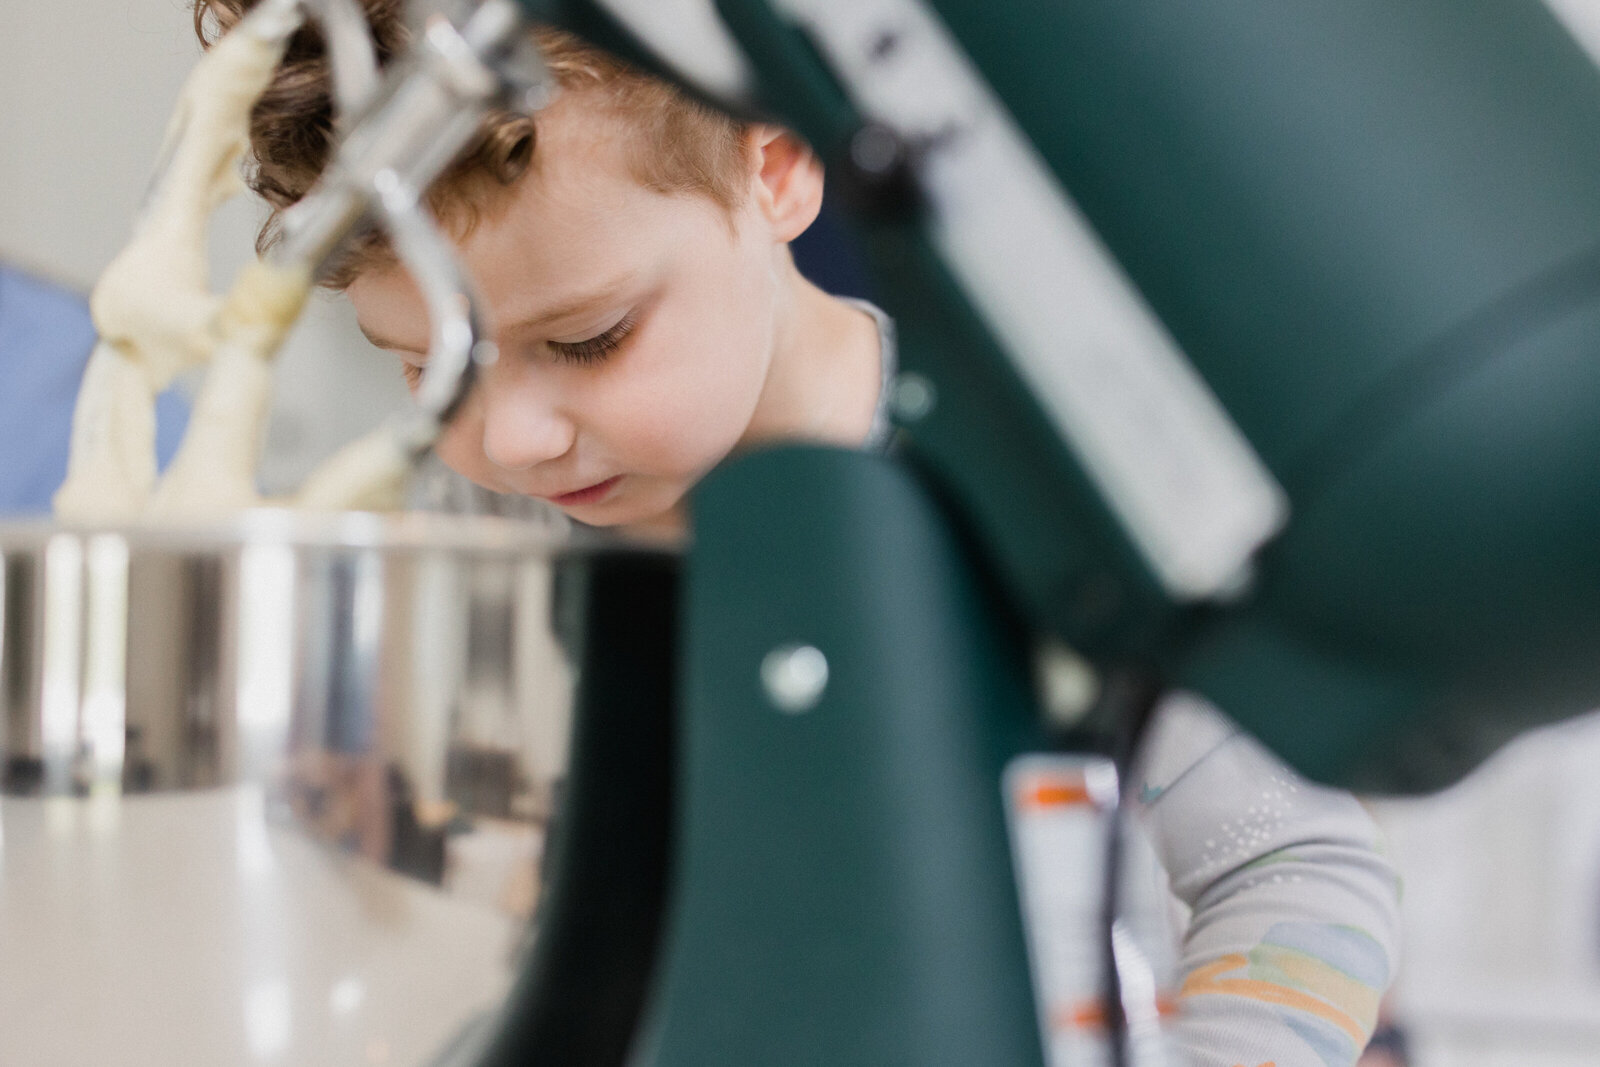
(635, 330)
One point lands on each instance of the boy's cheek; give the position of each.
(687, 408)
(666, 447)
(686, 429)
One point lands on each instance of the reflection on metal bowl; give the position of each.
(274, 792)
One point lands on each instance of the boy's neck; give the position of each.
(825, 373)
(823, 379)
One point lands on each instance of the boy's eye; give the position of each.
(413, 373)
(595, 348)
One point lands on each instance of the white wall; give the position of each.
(85, 90)
(1502, 907)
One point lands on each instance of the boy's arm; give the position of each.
(1294, 931)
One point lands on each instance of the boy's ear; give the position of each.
(788, 182)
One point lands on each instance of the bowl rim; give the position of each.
(406, 531)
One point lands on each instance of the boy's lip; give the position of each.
(591, 495)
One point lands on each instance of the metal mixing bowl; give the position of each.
(274, 792)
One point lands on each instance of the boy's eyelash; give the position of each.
(592, 350)
(595, 348)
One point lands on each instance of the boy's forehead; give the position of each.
(561, 235)
(577, 228)
(578, 138)
(580, 217)
(578, 186)
(576, 231)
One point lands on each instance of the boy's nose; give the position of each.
(520, 432)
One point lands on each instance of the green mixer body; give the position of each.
(1373, 229)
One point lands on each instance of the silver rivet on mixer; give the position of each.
(913, 397)
(794, 677)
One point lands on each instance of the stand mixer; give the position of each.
(1243, 350)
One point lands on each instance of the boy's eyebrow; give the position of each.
(566, 309)
(574, 306)
(383, 342)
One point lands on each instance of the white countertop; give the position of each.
(181, 929)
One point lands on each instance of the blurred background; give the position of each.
(1502, 873)
(85, 92)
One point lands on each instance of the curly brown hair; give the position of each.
(676, 144)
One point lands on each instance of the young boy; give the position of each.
(632, 248)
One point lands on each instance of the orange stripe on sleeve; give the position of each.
(1206, 981)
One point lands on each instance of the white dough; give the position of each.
(156, 318)
(113, 445)
(213, 473)
(368, 474)
(151, 305)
